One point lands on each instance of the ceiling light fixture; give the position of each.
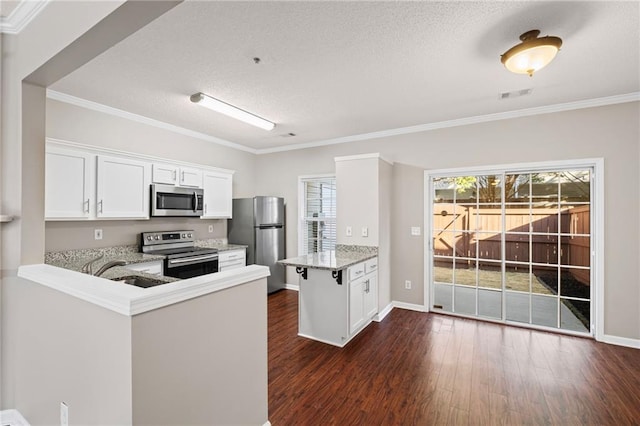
(234, 112)
(532, 54)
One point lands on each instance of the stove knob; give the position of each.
(189, 235)
(157, 237)
(149, 237)
(184, 235)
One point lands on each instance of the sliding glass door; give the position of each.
(513, 246)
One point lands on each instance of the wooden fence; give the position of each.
(465, 228)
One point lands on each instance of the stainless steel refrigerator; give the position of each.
(258, 223)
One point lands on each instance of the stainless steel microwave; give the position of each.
(169, 200)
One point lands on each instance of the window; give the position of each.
(515, 245)
(317, 214)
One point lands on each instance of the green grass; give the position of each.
(518, 281)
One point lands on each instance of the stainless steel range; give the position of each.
(183, 258)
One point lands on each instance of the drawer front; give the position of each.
(356, 271)
(371, 265)
(231, 265)
(229, 256)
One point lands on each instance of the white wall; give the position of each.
(611, 132)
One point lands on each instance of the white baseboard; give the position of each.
(621, 341)
(409, 306)
(382, 314)
(294, 287)
(12, 418)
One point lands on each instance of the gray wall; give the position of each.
(611, 132)
(63, 349)
(203, 361)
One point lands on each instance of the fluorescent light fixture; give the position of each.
(234, 112)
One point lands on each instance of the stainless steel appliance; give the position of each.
(169, 200)
(258, 223)
(183, 259)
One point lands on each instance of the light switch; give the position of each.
(97, 234)
(415, 230)
(365, 231)
(349, 231)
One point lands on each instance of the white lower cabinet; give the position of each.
(335, 313)
(231, 259)
(154, 267)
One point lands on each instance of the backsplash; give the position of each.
(72, 235)
(350, 248)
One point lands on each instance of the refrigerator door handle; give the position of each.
(270, 225)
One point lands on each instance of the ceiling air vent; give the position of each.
(514, 94)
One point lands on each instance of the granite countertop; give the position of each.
(220, 244)
(333, 260)
(74, 260)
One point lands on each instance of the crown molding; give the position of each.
(19, 17)
(63, 97)
(568, 106)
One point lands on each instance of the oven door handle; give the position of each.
(192, 259)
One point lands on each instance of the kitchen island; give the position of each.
(190, 351)
(337, 293)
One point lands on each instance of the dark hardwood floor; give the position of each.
(416, 369)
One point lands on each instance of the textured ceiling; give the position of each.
(8, 6)
(336, 69)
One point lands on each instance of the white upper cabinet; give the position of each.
(69, 184)
(164, 173)
(122, 188)
(190, 177)
(174, 175)
(217, 187)
(89, 183)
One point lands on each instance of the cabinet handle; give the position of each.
(87, 203)
(205, 208)
(366, 290)
(100, 206)
(182, 178)
(175, 175)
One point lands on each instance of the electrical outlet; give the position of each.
(349, 231)
(415, 230)
(64, 414)
(210, 228)
(365, 231)
(97, 234)
(407, 285)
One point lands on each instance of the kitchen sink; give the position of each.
(139, 281)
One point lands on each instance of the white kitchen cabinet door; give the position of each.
(123, 188)
(217, 188)
(370, 295)
(164, 173)
(69, 184)
(356, 305)
(190, 177)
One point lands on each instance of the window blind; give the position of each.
(319, 215)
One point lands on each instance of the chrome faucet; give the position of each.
(109, 265)
(87, 268)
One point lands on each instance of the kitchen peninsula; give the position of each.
(190, 351)
(338, 294)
